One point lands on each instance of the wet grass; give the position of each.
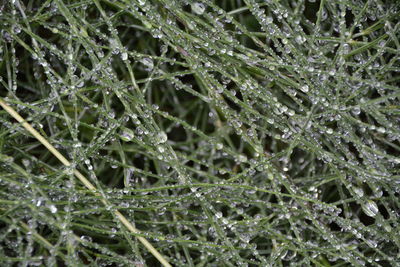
(225, 133)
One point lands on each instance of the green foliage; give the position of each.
(231, 133)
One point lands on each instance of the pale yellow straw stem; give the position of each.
(83, 179)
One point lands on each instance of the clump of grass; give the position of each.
(229, 132)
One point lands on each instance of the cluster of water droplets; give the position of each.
(245, 144)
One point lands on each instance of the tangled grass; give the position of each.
(230, 133)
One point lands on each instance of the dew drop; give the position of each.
(381, 130)
(127, 135)
(304, 88)
(220, 146)
(161, 137)
(53, 209)
(356, 111)
(359, 192)
(148, 62)
(124, 56)
(26, 162)
(242, 158)
(161, 149)
(128, 172)
(300, 39)
(288, 255)
(370, 208)
(198, 8)
(77, 145)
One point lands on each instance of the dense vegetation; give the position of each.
(230, 133)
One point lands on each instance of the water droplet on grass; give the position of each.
(198, 8)
(370, 208)
(26, 162)
(124, 56)
(288, 255)
(161, 138)
(39, 202)
(359, 192)
(242, 158)
(53, 209)
(381, 130)
(127, 135)
(269, 20)
(148, 62)
(304, 88)
(300, 39)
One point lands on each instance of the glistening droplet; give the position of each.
(370, 208)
